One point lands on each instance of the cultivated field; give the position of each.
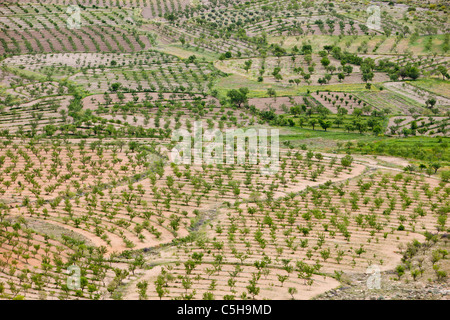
(99, 98)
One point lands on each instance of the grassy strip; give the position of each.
(259, 90)
(433, 86)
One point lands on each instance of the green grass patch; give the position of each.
(433, 85)
(424, 45)
(355, 43)
(259, 89)
(27, 74)
(387, 99)
(422, 149)
(418, 149)
(185, 52)
(307, 133)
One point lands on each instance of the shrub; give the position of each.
(347, 161)
(445, 176)
(400, 270)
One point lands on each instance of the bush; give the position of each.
(347, 161)
(445, 176)
(400, 270)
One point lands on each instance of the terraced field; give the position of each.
(224, 149)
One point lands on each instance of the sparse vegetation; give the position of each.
(91, 117)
